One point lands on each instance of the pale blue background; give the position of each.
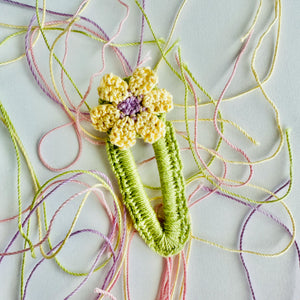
(209, 33)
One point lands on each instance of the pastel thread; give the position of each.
(169, 283)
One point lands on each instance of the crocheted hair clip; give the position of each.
(134, 107)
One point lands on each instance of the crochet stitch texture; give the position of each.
(167, 236)
(131, 108)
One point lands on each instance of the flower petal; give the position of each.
(104, 117)
(142, 81)
(158, 101)
(113, 88)
(123, 133)
(150, 127)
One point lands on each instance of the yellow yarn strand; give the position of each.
(254, 22)
(291, 242)
(244, 132)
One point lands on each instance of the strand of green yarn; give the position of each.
(168, 236)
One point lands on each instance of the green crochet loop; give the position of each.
(168, 237)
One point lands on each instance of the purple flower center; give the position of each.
(131, 106)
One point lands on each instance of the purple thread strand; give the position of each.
(103, 248)
(58, 14)
(252, 212)
(31, 212)
(70, 15)
(34, 74)
(110, 274)
(53, 249)
(267, 214)
(38, 204)
(112, 270)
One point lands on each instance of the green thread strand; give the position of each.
(22, 32)
(18, 144)
(180, 76)
(156, 39)
(169, 237)
(10, 130)
(54, 55)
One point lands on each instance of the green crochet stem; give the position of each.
(169, 236)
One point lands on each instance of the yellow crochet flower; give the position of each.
(132, 108)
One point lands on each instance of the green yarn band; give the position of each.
(168, 237)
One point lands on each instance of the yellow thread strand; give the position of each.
(254, 21)
(103, 183)
(264, 92)
(125, 270)
(244, 132)
(176, 276)
(73, 223)
(91, 36)
(52, 54)
(269, 100)
(156, 39)
(278, 199)
(15, 34)
(270, 72)
(171, 33)
(254, 186)
(128, 231)
(12, 26)
(28, 226)
(194, 154)
(56, 58)
(291, 242)
(187, 261)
